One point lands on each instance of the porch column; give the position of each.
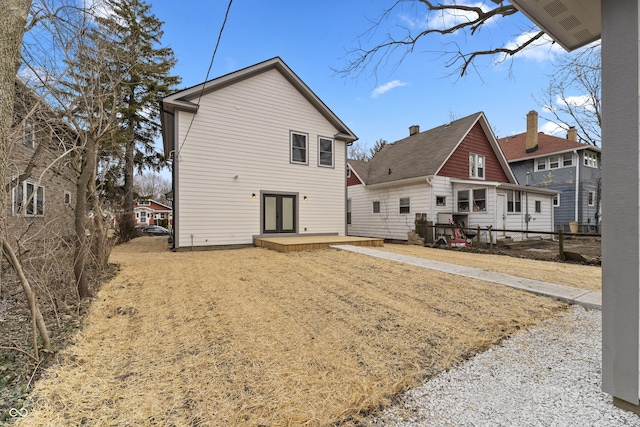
(620, 196)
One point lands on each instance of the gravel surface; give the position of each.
(548, 376)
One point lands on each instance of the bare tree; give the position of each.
(573, 97)
(152, 185)
(357, 151)
(432, 20)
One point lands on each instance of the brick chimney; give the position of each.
(414, 130)
(572, 134)
(532, 131)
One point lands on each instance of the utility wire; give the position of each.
(215, 50)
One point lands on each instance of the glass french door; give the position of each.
(279, 213)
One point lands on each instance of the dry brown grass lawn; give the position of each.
(254, 337)
(586, 277)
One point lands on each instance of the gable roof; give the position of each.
(514, 147)
(186, 100)
(423, 154)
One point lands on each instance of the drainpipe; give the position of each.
(577, 185)
(432, 200)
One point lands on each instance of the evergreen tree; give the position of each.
(377, 147)
(146, 66)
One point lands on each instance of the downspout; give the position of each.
(432, 200)
(577, 185)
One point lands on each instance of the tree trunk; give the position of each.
(126, 224)
(87, 172)
(13, 19)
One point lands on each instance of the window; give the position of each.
(567, 159)
(441, 201)
(67, 197)
(538, 206)
(554, 162)
(476, 166)
(28, 197)
(144, 203)
(348, 172)
(298, 148)
(28, 134)
(463, 201)
(514, 201)
(480, 200)
(325, 155)
(376, 207)
(405, 205)
(591, 197)
(591, 160)
(541, 164)
(143, 216)
(163, 216)
(348, 211)
(556, 200)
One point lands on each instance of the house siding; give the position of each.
(476, 142)
(239, 145)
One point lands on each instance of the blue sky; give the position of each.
(313, 38)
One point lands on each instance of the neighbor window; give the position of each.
(28, 197)
(143, 216)
(479, 199)
(567, 159)
(556, 200)
(514, 201)
(348, 211)
(441, 201)
(476, 166)
(67, 197)
(463, 201)
(591, 198)
(325, 154)
(538, 206)
(591, 160)
(554, 162)
(299, 148)
(28, 134)
(348, 172)
(541, 164)
(376, 207)
(405, 205)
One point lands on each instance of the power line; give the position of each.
(215, 50)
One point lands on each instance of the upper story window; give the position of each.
(514, 201)
(29, 134)
(144, 203)
(554, 162)
(325, 152)
(405, 205)
(376, 207)
(567, 159)
(541, 164)
(299, 148)
(476, 166)
(591, 160)
(348, 172)
(28, 199)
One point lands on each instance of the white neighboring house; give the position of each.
(452, 172)
(255, 153)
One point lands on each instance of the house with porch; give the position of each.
(454, 172)
(566, 165)
(255, 153)
(151, 212)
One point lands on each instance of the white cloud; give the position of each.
(578, 101)
(541, 50)
(387, 87)
(551, 128)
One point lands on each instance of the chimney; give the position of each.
(414, 130)
(572, 134)
(532, 131)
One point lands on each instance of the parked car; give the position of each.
(155, 230)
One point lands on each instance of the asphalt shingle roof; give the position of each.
(514, 147)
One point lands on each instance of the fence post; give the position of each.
(490, 240)
(478, 238)
(561, 244)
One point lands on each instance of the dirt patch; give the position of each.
(253, 337)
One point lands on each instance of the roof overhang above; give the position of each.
(571, 23)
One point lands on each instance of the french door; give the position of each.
(279, 213)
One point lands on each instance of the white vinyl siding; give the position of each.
(246, 150)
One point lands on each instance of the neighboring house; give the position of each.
(563, 164)
(453, 172)
(150, 212)
(41, 184)
(255, 153)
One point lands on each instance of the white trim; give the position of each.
(333, 151)
(400, 205)
(306, 147)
